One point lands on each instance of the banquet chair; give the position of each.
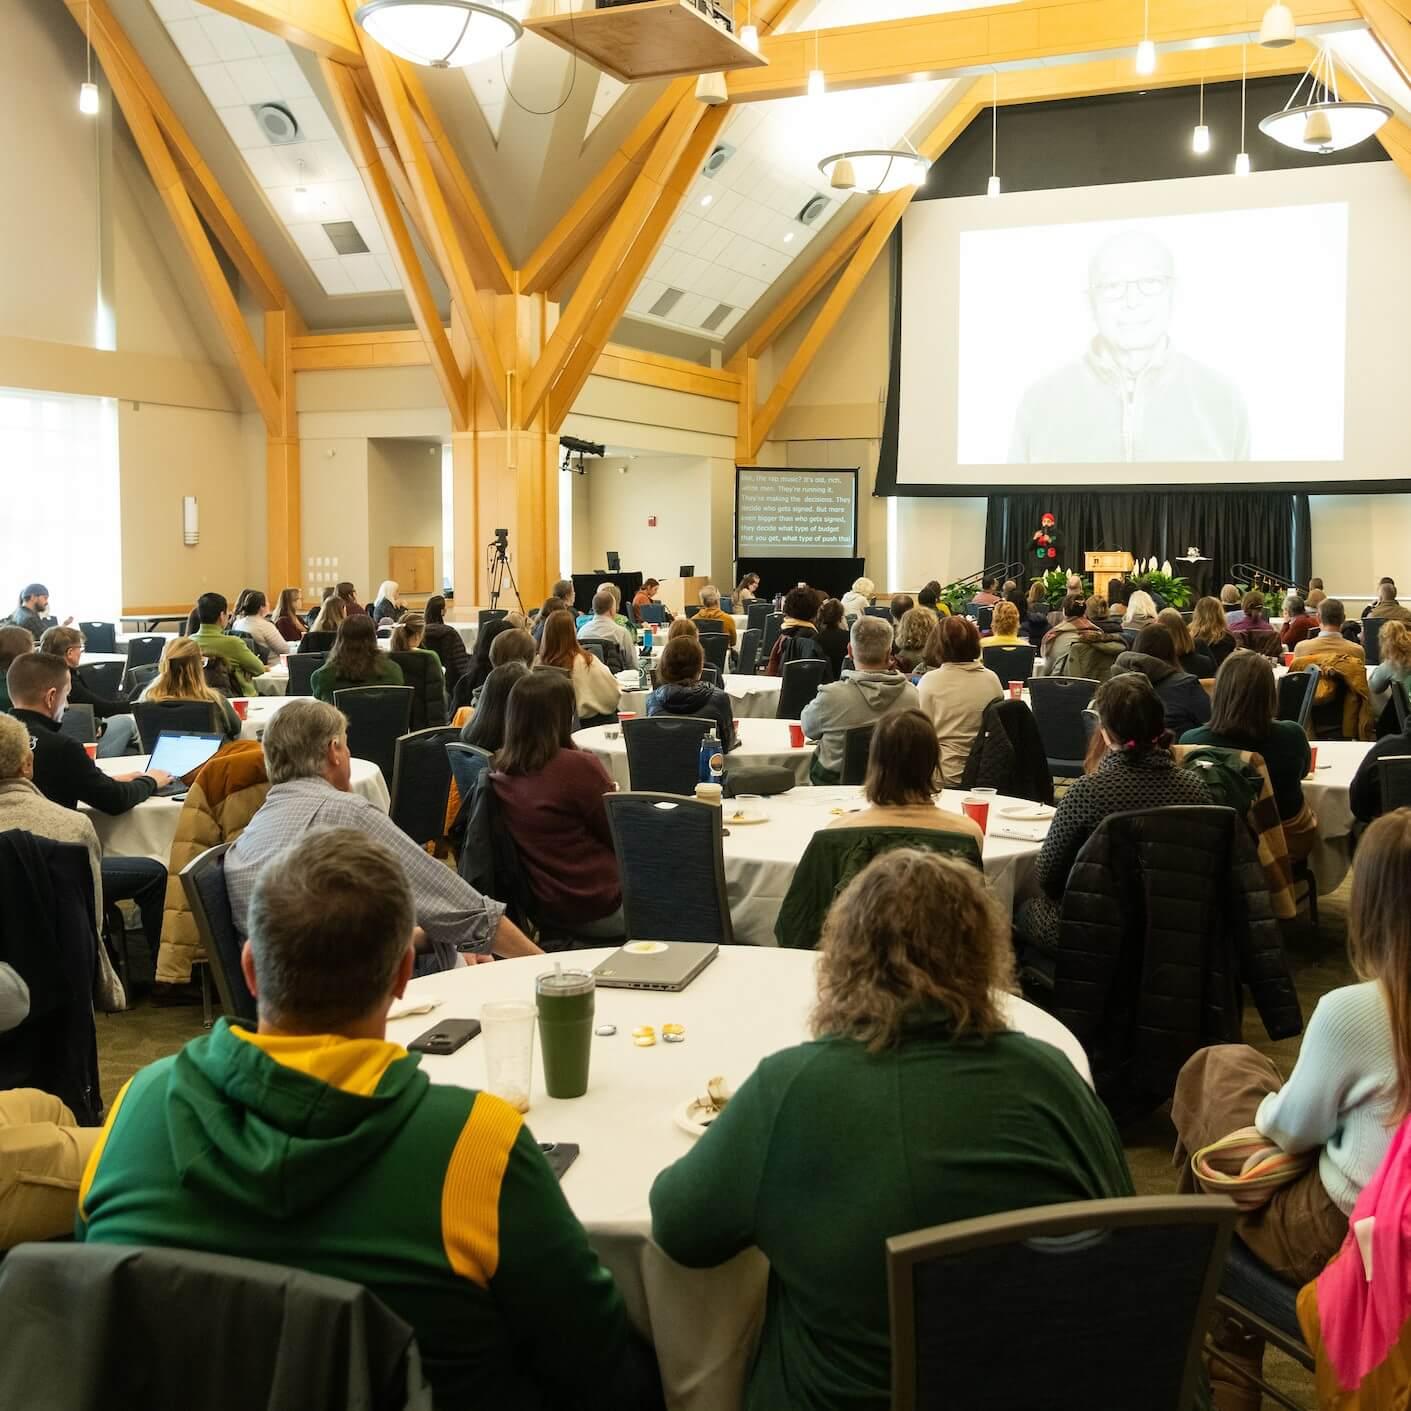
(749, 651)
(727, 603)
(378, 717)
(99, 636)
(716, 646)
(203, 881)
(1065, 1274)
(144, 651)
(757, 614)
(857, 745)
(1296, 692)
(596, 649)
(467, 762)
(302, 666)
(489, 615)
(692, 609)
(422, 672)
(669, 853)
(185, 717)
(709, 673)
(664, 751)
(1058, 703)
(1394, 776)
(798, 685)
(1400, 705)
(1008, 663)
(316, 642)
(421, 783)
(983, 613)
(79, 723)
(654, 613)
(1008, 754)
(772, 624)
(138, 679)
(103, 678)
(706, 625)
(1372, 639)
(1255, 1298)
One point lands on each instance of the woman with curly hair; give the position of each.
(913, 632)
(926, 1098)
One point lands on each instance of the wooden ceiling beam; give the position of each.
(960, 42)
(378, 184)
(1391, 28)
(321, 25)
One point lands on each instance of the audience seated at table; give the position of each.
(443, 639)
(486, 727)
(1395, 665)
(1004, 627)
(289, 616)
(645, 597)
(1343, 665)
(331, 615)
(682, 627)
(312, 1141)
(1090, 653)
(1299, 622)
(746, 591)
(798, 633)
(1209, 629)
(919, 1100)
(618, 616)
(988, 595)
(1253, 629)
(913, 633)
(1183, 698)
(14, 642)
(1058, 640)
(1244, 716)
(955, 691)
(240, 662)
(117, 729)
(870, 691)
(181, 677)
(619, 644)
(1035, 616)
(349, 594)
(1337, 1110)
(409, 635)
(1230, 603)
(356, 660)
(252, 618)
(859, 597)
(562, 596)
(387, 605)
(310, 776)
(33, 612)
(1137, 772)
(903, 779)
(900, 605)
(1140, 613)
(550, 797)
(1386, 608)
(480, 664)
(1192, 656)
(929, 598)
(595, 688)
(831, 629)
(711, 611)
(682, 692)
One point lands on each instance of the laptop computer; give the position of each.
(655, 965)
(181, 753)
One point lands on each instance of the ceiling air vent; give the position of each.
(667, 302)
(717, 316)
(720, 154)
(344, 237)
(813, 210)
(276, 122)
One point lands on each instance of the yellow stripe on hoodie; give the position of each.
(353, 1066)
(470, 1198)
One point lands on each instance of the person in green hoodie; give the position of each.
(916, 1104)
(212, 613)
(312, 1141)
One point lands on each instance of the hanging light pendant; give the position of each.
(1200, 138)
(1146, 50)
(749, 32)
(992, 187)
(817, 84)
(88, 90)
(1242, 160)
(875, 171)
(303, 199)
(440, 34)
(1277, 29)
(711, 90)
(1324, 122)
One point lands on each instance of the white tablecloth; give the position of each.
(148, 829)
(123, 638)
(275, 681)
(761, 742)
(259, 711)
(751, 697)
(1327, 793)
(747, 1005)
(93, 658)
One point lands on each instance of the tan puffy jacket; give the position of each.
(225, 797)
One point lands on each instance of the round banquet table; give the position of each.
(149, 829)
(746, 1005)
(275, 681)
(259, 711)
(1328, 795)
(761, 742)
(93, 658)
(751, 697)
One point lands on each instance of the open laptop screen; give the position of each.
(179, 753)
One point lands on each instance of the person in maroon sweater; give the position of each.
(551, 800)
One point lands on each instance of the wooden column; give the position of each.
(283, 510)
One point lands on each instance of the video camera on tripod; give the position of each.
(498, 569)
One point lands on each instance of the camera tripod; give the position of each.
(499, 569)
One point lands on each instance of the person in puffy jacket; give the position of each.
(682, 692)
(1182, 696)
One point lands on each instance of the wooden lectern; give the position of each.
(1108, 564)
(677, 593)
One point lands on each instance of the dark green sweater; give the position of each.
(1285, 752)
(323, 683)
(828, 1150)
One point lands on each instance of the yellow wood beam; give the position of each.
(945, 45)
(647, 190)
(591, 212)
(341, 352)
(321, 25)
(1391, 28)
(629, 273)
(624, 364)
(1395, 137)
(113, 48)
(368, 159)
(770, 14)
(283, 491)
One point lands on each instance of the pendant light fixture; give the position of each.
(749, 35)
(303, 199)
(1146, 50)
(1242, 160)
(1277, 29)
(817, 84)
(88, 90)
(440, 34)
(993, 188)
(876, 170)
(1323, 122)
(1200, 138)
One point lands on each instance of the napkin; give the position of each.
(1025, 832)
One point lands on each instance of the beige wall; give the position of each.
(1358, 538)
(334, 477)
(403, 502)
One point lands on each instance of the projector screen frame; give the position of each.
(854, 471)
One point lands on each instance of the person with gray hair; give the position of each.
(1131, 396)
(299, 1139)
(310, 773)
(866, 694)
(711, 611)
(604, 627)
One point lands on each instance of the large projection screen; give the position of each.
(1215, 332)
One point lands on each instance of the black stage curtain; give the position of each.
(1269, 529)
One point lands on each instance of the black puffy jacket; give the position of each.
(1165, 916)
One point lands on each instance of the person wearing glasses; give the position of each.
(1131, 396)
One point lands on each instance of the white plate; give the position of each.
(742, 818)
(688, 1124)
(1028, 813)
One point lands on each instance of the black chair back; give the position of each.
(983, 613)
(79, 723)
(467, 763)
(320, 643)
(378, 716)
(302, 666)
(422, 672)
(727, 603)
(1372, 639)
(144, 651)
(104, 678)
(421, 783)
(673, 869)
(709, 673)
(138, 679)
(1400, 705)
(596, 648)
(772, 623)
(799, 683)
(1394, 776)
(716, 646)
(705, 625)
(857, 745)
(1009, 663)
(692, 609)
(99, 636)
(756, 614)
(1091, 722)
(489, 615)
(191, 717)
(1296, 692)
(953, 1290)
(655, 613)
(750, 640)
(1058, 703)
(664, 752)
(203, 881)
(1008, 754)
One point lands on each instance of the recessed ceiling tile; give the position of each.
(289, 78)
(192, 42)
(217, 85)
(692, 309)
(695, 242)
(253, 80)
(334, 278)
(314, 125)
(263, 42)
(648, 292)
(747, 291)
(273, 166)
(365, 273)
(389, 271)
(717, 283)
(229, 37)
(718, 241)
(168, 10)
(330, 161)
(312, 241)
(244, 130)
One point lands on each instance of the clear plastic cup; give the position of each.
(507, 1031)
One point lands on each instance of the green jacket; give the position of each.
(243, 663)
(828, 1150)
(1091, 655)
(835, 856)
(323, 683)
(339, 1156)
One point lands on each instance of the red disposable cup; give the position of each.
(977, 811)
(1016, 690)
(627, 715)
(91, 750)
(1288, 659)
(796, 737)
(1312, 758)
(241, 709)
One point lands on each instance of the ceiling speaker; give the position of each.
(813, 210)
(276, 122)
(720, 154)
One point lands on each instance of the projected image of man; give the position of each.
(1132, 396)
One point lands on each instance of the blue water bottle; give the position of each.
(647, 641)
(712, 768)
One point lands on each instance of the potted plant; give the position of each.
(1176, 592)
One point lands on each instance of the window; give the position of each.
(61, 525)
